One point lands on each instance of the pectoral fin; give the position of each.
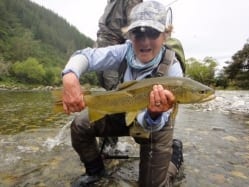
(174, 113)
(130, 117)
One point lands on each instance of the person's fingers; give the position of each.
(170, 98)
(162, 96)
(152, 98)
(73, 103)
(157, 99)
(161, 99)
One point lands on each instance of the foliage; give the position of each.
(221, 80)
(29, 71)
(237, 71)
(201, 71)
(31, 33)
(90, 78)
(4, 68)
(52, 75)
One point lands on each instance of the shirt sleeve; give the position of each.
(150, 124)
(76, 64)
(96, 59)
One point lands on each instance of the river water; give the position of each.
(36, 149)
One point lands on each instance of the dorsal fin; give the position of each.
(126, 84)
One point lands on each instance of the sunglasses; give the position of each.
(142, 32)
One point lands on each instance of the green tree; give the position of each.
(201, 71)
(237, 70)
(29, 71)
(52, 75)
(4, 68)
(221, 80)
(89, 78)
(22, 46)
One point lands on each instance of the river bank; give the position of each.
(22, 87)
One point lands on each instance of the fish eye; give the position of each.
(202, 92)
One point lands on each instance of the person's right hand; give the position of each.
(161, 100)
(72, 94)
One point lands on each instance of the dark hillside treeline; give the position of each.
(31, 34)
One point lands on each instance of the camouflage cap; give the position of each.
(148, 14)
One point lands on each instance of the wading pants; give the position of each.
(155, 152)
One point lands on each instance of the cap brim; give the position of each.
(148, 23)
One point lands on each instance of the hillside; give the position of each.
(35, 43)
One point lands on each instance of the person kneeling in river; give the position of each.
(142, 53)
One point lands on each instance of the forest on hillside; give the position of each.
(35, 43)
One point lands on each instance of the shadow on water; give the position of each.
(36, 149)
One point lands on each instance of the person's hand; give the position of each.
(72, 94)
(160, 101)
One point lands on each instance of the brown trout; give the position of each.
(132, 96)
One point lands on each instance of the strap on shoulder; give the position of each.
(165, 63)
(121, 70)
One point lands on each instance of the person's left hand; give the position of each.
(160, 101)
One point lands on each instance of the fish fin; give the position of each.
(126, 84)
(58, 108)
(174, 113)
(129, 118)
(57, 99)
(95, 115)
(57, 96)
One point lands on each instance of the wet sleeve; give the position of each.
(150, 124)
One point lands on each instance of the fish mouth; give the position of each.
(209, 98)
